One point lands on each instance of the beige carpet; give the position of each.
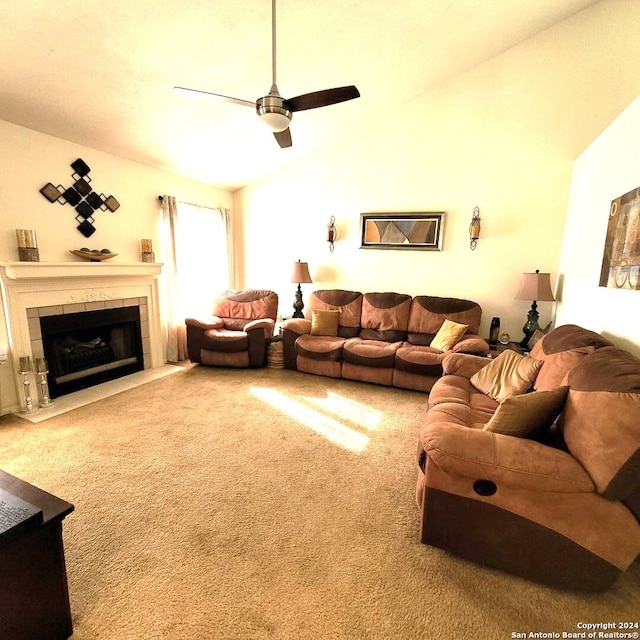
(267, 504)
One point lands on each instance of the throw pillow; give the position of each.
(525, 415)
(449, 333)
(508, 375)
(324, 322)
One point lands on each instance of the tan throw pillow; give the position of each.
(508, 375)
(525, 415)
(324, 322)
(449, 333)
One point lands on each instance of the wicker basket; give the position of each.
(275, 358)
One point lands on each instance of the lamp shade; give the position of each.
(535, 286)
(300, 272)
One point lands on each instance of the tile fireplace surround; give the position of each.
(32, 289)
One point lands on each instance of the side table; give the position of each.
(34, 596)
(496, 349)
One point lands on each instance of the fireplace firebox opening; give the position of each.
(91, 347)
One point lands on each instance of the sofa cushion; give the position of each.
(525, 415)
(385, 316)
(320, 347)
(448, 334)
(600, 420)
(561, 350)
(224, 340)
(556, 366)
(427, 314)
(421, 360)
(508, 375)
(324, 322)
(248, 304)
(348, 303)
(370, 353)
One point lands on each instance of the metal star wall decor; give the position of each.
(81, 196)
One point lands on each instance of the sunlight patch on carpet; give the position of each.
(322, 424)
(356, 412)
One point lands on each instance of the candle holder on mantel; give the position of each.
(147, 250)
(42, 369)
(27, 245)
(25, 370)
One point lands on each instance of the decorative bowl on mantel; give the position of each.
(94, 255)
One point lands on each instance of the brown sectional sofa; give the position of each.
(382, 338)
(561, 506)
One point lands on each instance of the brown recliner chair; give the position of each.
(237, 332)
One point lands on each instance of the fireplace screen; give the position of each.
(91, 347)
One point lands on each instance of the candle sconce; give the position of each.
(25, 370)
(332, 233)
(474, 229)
(42, 369)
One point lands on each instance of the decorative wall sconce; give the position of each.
(474, 228)
(81, 196)
(332, 232)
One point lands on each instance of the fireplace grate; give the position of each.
(82, 355)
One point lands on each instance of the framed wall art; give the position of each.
(402, 230)
(621, 256)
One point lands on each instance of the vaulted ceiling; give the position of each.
(102, 73)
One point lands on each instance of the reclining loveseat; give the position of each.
(504, 481)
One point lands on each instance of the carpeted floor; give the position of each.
(221, 504)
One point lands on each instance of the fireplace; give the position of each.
(88, 348)
(31, 291)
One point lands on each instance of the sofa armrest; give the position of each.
(297, 325)
(463, 364)
(266, 324)
(471, 343)
(515, 462)
(211, 322)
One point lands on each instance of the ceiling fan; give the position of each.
(274, 110)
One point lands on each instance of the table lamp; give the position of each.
(534, 286)
(300, 274)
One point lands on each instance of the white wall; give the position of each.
(29, 160)
(502, 136)
(605, 171)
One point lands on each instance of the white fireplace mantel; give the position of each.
(43, 270)
(28, 285)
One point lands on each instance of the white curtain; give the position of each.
(198, 265)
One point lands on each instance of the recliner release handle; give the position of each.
(485, 487)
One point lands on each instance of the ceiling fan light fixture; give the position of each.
(273, 114)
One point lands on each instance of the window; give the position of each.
(202, 258)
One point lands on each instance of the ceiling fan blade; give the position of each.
(217, 95)
(283, 138)
(322, 98)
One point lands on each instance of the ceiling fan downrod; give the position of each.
(271, 108)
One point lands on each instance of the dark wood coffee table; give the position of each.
(34, 597)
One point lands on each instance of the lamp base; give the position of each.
(530, 326)
(298, 305)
